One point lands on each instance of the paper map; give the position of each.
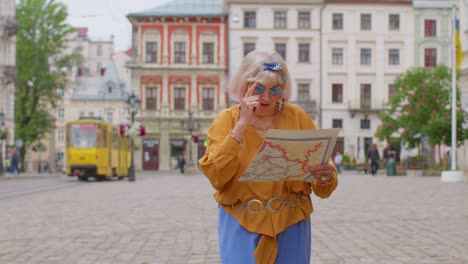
(285, 155)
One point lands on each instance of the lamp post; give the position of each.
(133, 103)
(1, 144)
(39, 149)
(190, 125)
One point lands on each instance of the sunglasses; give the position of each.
(275, 91)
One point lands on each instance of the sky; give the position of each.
(104, 18)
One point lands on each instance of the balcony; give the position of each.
(10, 28)
(309, 106)
(365, 106)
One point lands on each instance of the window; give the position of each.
(337, 56)
(430, 28)
(81, 114)
(249, 19)
(208, 98)
(365, 123)
(208, 53)
(391, 91)
(281, 49)
(99, 50)
(179, 52)
(280, 19)
(91, 114)
(61, 113)
(151, 98)
(366, 56)
(61, 135)
(303, 20)
(303, 92)
(98, 67)
(179, 98)
(337, 93)
(394, 56)
(151, 52)
(365, 96)
(337, 21)
(303, 52)
(248, 47)
(394, 21)
(366, 22)
(337, 123)
(109, 117)
(430, 57)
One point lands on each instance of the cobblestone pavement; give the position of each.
(168, 218)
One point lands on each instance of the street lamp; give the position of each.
(133, 104)
(190, 126)
(1, 143)
(39, 149)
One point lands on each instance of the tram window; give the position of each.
(83, 135)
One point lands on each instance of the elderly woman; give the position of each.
(271, 234)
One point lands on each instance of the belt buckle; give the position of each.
(270, 202)
(249, 204)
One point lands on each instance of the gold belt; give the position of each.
(274, 205)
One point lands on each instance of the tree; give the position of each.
(40, 58)
(421, 107)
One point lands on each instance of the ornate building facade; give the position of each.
(178, 70)
(8, 28)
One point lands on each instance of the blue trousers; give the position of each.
(237, 245)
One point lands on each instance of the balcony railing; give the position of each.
(10, 28)
(309, 106)
(365, 106)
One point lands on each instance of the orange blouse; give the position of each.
(226, 160)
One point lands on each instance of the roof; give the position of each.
(368, 2)
(186, 8)
(104, 88)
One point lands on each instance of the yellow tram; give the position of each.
(96, 149)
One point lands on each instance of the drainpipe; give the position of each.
(321, 70)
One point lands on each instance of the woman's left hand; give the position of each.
(322, 173)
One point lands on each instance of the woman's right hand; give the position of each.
(249, 104)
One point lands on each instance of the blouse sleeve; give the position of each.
(220, 163)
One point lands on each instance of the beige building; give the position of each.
(292, 28)
(366, 45)
(8, 28)
(462, 152)
(178, 70)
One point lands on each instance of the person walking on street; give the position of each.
(181, 163)
(15, 161)
(338, 160)
(374, 157)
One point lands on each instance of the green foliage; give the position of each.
(346, 159)
(421, 107)
(41, 61)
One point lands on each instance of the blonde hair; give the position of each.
(250, 70)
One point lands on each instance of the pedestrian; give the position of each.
(374, 158)
(338, 160)
(15, 161)
(388, 153)
(261, 222)
(181, 163)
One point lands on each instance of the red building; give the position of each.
(178, 70)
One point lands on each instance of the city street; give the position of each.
(168, 218)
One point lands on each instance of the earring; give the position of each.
(280, 105)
